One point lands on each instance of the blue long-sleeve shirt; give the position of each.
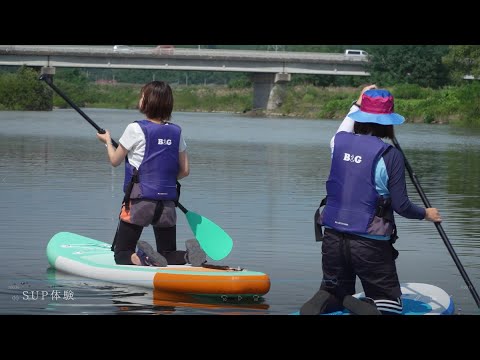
(395, 166)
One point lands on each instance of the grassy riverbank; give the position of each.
(187, 98)
(453, 104)
(456, 105)
(459, 105)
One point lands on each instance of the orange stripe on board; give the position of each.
(208, 284)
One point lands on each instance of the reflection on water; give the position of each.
(258, 179)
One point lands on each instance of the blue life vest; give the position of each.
(157, 174)
(352, 199)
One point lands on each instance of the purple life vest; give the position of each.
(157, 174)
(352, 198)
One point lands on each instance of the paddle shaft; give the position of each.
(48, 80)
(181, 207)
(50, 83)
(439, 227)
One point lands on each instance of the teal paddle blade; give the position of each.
(216, 243)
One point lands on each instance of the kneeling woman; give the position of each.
(155, 158)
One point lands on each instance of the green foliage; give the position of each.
(308, 98)
(240, 82)
(470, 97)
(428, 118)
(413, 64)
(118, 96)
(173, 77)
(317, 102)
(23, 91)
(459, 105)
(410, 91)
(463, 60)
(80, 94)
(212, 98)
(186, 99)
(330, 109)
(73, 76)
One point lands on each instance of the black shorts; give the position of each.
(345, 256)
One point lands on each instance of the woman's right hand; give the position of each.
(105, 137)
(432, 214)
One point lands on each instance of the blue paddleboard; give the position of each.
(418, 299)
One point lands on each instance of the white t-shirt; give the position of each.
(133, 139)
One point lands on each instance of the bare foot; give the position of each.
(135, 259)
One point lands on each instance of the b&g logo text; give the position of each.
(164, 142)
(352, 158)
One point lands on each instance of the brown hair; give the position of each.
(157, 100)
(381, 131)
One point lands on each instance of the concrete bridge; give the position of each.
(269, 69)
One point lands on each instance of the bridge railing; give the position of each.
(134, 51)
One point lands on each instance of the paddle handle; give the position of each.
(439, 227)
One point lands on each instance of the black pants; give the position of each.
(345, 256)
(127, 236)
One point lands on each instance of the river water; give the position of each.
(260, 179)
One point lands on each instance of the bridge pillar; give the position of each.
(262, 85)
(268, 90)
(277, 94)
(48, 71)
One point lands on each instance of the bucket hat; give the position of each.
(377, 107)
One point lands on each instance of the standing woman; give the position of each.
(155, 158)
(365, 187)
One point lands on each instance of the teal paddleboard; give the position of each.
(82, 256)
